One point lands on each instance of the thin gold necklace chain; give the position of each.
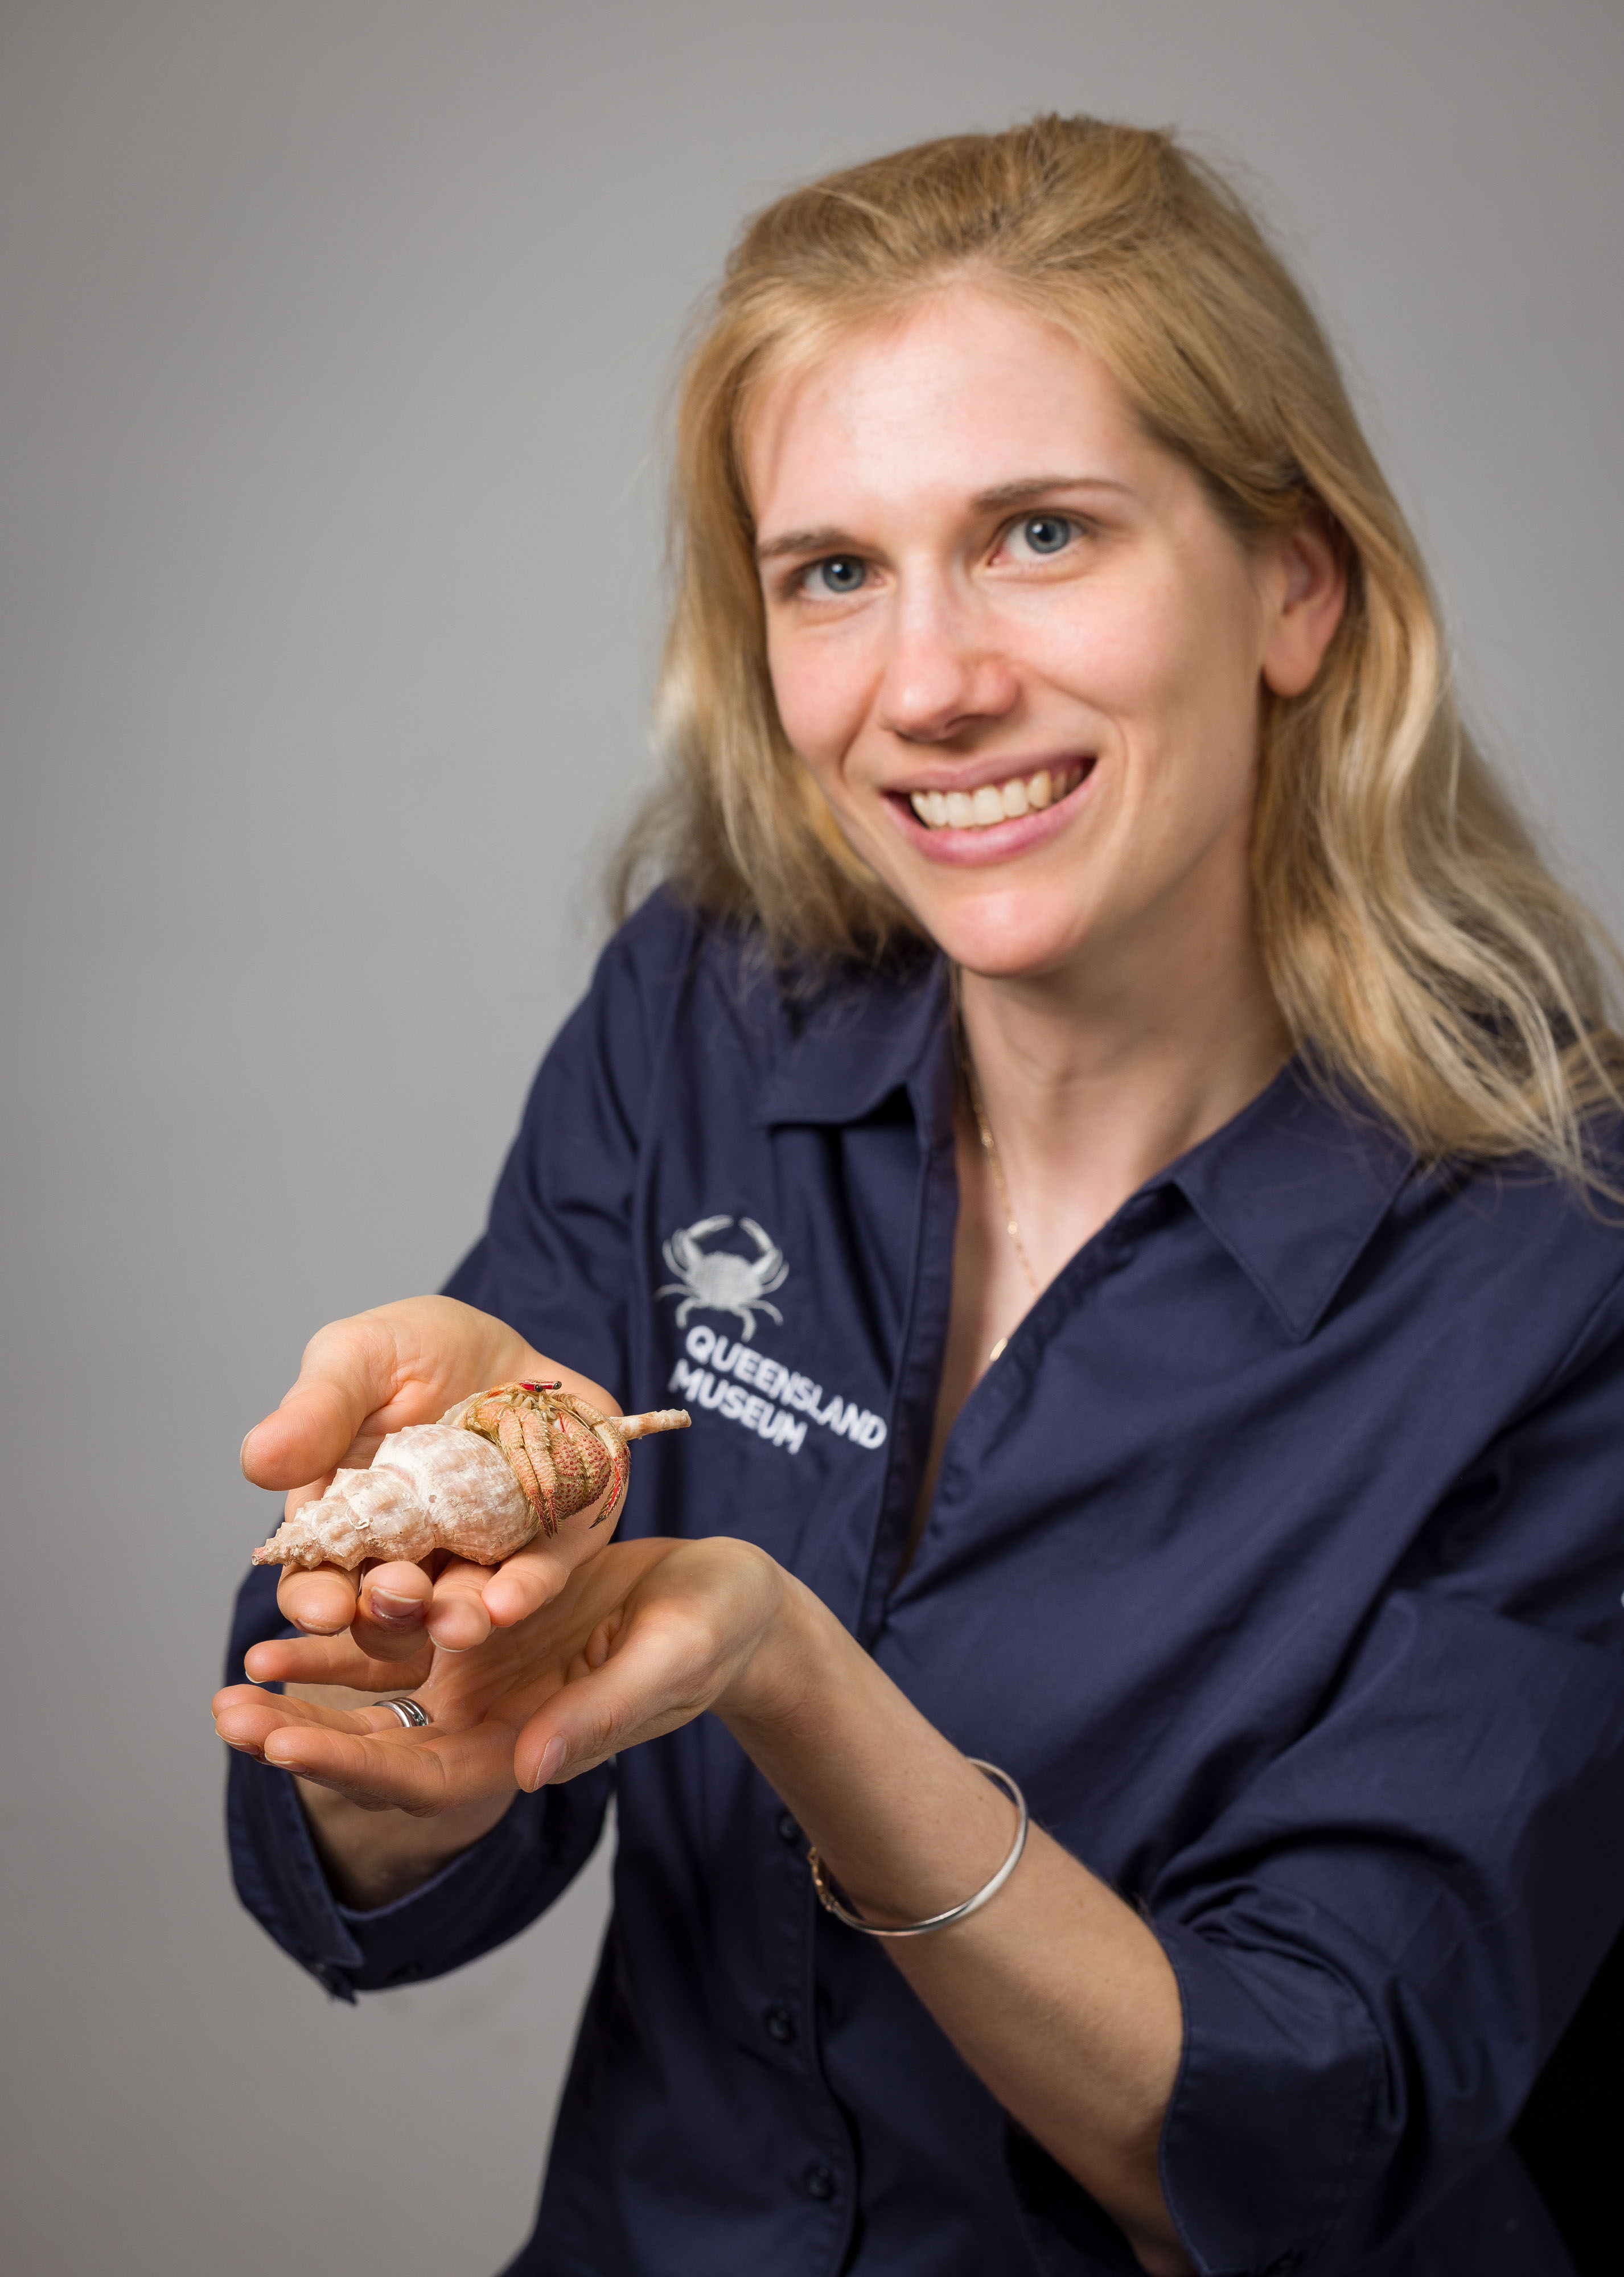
(990, 1147)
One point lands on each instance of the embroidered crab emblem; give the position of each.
(716, 1281)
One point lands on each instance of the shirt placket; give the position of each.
(823, 2166)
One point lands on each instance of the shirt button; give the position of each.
(820, 2183)
(787, 1829)
(780, 2026)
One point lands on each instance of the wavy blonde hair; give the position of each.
(1418, 947)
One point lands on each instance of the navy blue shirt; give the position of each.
(1278, 1557)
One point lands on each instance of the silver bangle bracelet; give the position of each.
(831, 1904)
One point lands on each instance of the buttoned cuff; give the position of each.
(480, 1897)
(484, 1896)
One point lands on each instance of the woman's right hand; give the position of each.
(375, 1372)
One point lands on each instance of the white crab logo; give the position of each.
(717, 1282)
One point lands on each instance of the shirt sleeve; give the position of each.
(552, 1264)
(485, 1896)
(1380, 1942)
(555, 1261)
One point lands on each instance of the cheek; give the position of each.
(1174, 670)
(820, 705)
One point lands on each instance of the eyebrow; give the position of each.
(831, 540)
(1041, 486)
(804, 541)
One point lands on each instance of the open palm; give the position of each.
(643, 1638)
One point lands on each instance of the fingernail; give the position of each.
(552, 1761)
(394, 1612)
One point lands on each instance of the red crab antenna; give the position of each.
(559, 1386)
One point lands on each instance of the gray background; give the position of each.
(333, 345)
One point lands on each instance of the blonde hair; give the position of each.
(1418, 947)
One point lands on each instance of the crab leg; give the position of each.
(568, 1469)
(609, 1437)
(538, 1487)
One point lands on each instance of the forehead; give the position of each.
(963, 393)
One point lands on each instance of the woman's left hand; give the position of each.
(647, 1636)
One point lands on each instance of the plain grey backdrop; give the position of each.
(334, 340)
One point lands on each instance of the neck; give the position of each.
(1097, 1075)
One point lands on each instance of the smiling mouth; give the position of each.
(1000, 801)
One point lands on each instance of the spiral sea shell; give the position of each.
(456, 1486)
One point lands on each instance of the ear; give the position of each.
(1305, 587)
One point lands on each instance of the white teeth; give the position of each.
(1004, 802)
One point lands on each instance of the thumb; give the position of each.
(349, 1370)
(661, 1671)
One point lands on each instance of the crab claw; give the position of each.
(620, 1470)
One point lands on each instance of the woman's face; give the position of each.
(1013, 642)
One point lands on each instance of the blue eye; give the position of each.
(841, 573)
(1046, 533)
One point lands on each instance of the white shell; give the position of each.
(430, 1487)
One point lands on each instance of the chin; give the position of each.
(999, 950)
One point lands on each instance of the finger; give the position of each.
(458, 1619)
(320, 1600)
(523, 1583)
(362, 1753)
(419, 1772)
(395, 1595)
(332, 1660)
(350, 1369)
(381, 1369)
(592, 1653)
(245, 1718)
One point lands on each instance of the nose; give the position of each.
(944, 674)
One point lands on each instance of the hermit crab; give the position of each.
(509, 1463)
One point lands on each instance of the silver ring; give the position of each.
(412, 1713)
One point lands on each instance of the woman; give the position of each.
(1157, 1106)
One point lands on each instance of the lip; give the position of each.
(995, 841)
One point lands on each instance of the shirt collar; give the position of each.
(1294, 1186)
(863, 1041)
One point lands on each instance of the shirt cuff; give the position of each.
(476, 1901)
(1264, 2068)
